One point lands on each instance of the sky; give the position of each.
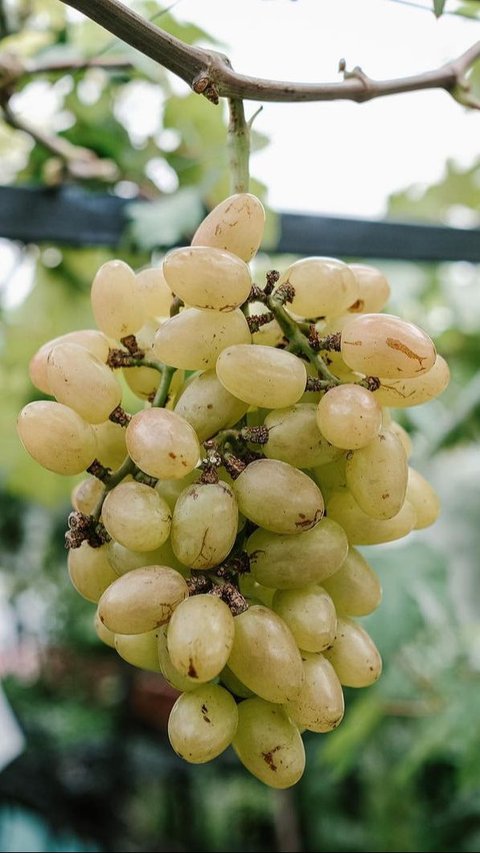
(344, 158)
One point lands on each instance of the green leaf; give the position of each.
(438, 7)
(167, 221)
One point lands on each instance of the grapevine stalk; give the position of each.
(238, 146)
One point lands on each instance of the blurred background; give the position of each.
(85, 763)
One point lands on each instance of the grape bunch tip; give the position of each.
(216, 528)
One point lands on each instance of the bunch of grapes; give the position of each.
(216, 530)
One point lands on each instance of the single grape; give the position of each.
(385, 345)
(310, 614)
(377, 475)
(262, 376)
(56, 437)
(90, 571)
(170, 490)
(204, 525)
(361, 528)
(142, 599)
(92, 340)
(140, 650)
(373, 290)
(170, 673)
(208, 406)
(233, 684)
(80, 380)
(354, 588)
(349, 417)
(202, 723)
(200, 637)
(236, 224)
(208, 278)
(162, 443)
(268, 744)
(294, 437)
(406, 392)
(323, 286)
(423, 498)
(86, 495)
(117, 310)
(320, 706)
(123, 560)
(152, 289)
(136, 516)
(354, 656)
(403, 435)
(111, 446)
(107, 637)
(194, 339)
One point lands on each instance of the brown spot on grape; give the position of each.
(352, 343)
(357, 306)
(209, 405)
(204, 711)
(395, 344)
(192, 672)
(385, 496)
(172, 455)
(268, 759)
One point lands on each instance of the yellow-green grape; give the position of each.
(265, 656)
(140, 650)
(278, 496)
(423, 498)
(170, 490)
(194, 339)
(377, 475)
(254, 591)
(355, 588)
(117, 310)
(86, 495)
(111, 446)
(406, 392)
(80, 380)
(349, 416)
(385, 345)
(236, 224)
(289, 562)
(103, 634)
(200, 637)
(208, 406)
(331, 478)
(354, 656)
(262, 376)
(202, 723)
(144, 381)
(204, 525)
(90, 571)
(233, 684)
(373, 289)
(56, 437)
(123, 560)
(310, 614)
(162, 444)
(404, 437)
(92, 340)
(361, 528)
(268, 744)
(136, 516)
(153, 290)
(323, 286)
(320, 705)
(208, 278)
(294, 437)
(169, 672)
(142, 599)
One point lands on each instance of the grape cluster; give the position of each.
(217, 529)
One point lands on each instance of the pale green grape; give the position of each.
(354, 656)
(289, 562)
(294, 437)
(204, 525)
(207, 277)
(142, 599)
(233, 684)
(144, 381)
(200, 637)
(385, 345)
(423, 498)
(136, 516)
(320, 705)
(117, 310)
(194, 339)
(349, 417)
(268, 744)
(90, 571)
(373, 289)
(56, 437)
(123, 560)
(255, 592)
(403, 435)
(354, 588)
(377, 475)
(323, 286)
(103, 634)
(265, 656)
(86, 495)
(169, 672)
(361, 528)
(152, 289)
(405, 392)
(162, 443)
(140, 650)
(80, 380)
(111, 446)
(331, 478)
(262, 375)
(202, 723)
(92, 340)
(208, 406)
(236, 224)
(310, 614)
(170, 490)
(278, 496)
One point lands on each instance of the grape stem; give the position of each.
(164, 387)
(238, 146)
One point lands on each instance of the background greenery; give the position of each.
(403, 770)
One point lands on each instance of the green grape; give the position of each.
(331, 477)
(349, 417)
(268, 744)
(354, 588)
(123, 560)
(202, 723)
(278, 496)
(80, 380)
(141, 650)
(361, 528)
(152, 289)
(236, 224)
(56, 437)
(323, 286)
(111, 446)
(294, 437)
(107, 637)
(194, 339)
(423, 498)
(384, 345)
(204, 525)
(373, 290)
(262, 376)
(170, 490)
(162, 444)
(403, 435)
(142, 599)
(289, 562)
(310, 614)
(354, 656)
(136, 516)
(208, 406)
(92, 340)
(86, 495)
(171, 675)
(377, 475)
(144, 381)
(90, 571)
(320, 705)
(200, 637)
(233, 684)
(265, 656)
(117, 310)
(207, 277)
(255, 592)
(406, 392)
